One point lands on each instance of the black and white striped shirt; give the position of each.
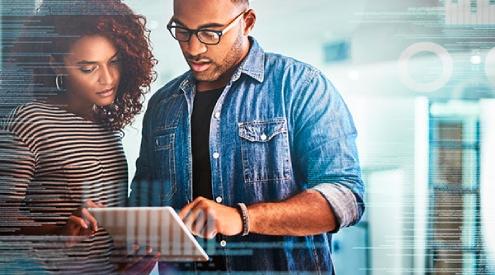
(51, 161)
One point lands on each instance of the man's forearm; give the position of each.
(307, 213)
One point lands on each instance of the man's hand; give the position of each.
(206, 218)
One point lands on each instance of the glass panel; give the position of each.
(471, 131)
(447, 261)
(448, 153)
(469, 263)
(448, 218)
(470, 169)
(455, 167)
(454, 172)
(470, 219)
(447, 166)
(449, 131)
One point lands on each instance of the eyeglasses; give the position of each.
(205, 36)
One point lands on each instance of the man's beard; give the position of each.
(216, 70)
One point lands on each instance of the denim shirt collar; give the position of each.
(253, 65)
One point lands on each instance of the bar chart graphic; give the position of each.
(470, 12)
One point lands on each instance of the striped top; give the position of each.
(51, 161)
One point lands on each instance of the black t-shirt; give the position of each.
(204, 103)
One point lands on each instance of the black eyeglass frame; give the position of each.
(190, 32)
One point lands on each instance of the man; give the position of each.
(256, 149)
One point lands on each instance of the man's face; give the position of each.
(209, 63)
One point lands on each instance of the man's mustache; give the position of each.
(198, 58)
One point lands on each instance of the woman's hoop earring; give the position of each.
(59, 82)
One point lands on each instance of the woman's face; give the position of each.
(92, 71)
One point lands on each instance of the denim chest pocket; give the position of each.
(265, 150)
(164, 142)
(164, 157)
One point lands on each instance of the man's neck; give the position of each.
(202, 86)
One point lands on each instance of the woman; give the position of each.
(90, 63)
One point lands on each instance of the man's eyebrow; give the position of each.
(86, 62)
(204, 26)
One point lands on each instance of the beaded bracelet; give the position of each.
(245, 218)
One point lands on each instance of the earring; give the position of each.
(59, 82)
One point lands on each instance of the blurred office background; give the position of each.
(419, 79)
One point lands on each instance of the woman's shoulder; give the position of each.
(36, 107)
(29, 114)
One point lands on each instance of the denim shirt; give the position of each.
(279, 128)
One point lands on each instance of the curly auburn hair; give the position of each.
(58, 24)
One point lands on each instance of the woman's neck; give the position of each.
(73, 105)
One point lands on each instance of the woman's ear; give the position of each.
(250, 19)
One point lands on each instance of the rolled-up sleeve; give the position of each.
(342, 201)
(325, 153)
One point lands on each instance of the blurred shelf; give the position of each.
(455, 145)
(450, 188)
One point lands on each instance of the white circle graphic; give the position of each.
(441, 52)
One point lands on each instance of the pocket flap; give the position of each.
(163, 141)
(262, 131)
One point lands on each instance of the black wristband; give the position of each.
(245, 218)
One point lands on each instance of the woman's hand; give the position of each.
(80, 224)
(137, 263)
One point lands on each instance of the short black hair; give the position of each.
(246, 2)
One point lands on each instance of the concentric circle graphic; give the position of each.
(440, 52)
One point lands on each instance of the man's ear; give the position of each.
(57, 66)
(250, 19)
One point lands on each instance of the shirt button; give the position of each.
(223, 243)
(216, 155)
(217, 115)
(263, 137)
(219, 199)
